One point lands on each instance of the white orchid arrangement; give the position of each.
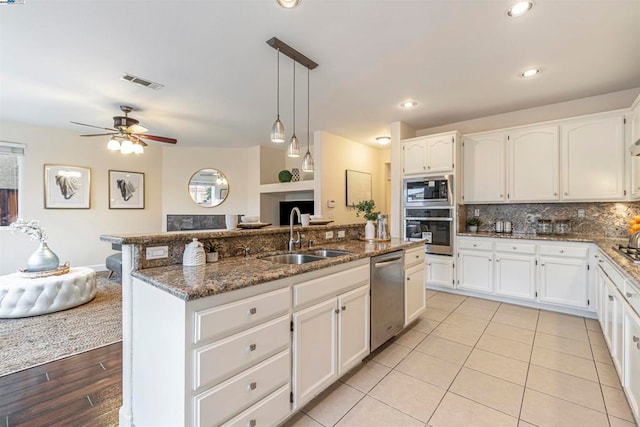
(32, 228)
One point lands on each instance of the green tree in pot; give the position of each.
(473, 224)
(367, 206)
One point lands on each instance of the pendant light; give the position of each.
(294, 145)
(307, 161)
(277, 130)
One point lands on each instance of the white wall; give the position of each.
(180, 163)
(74, 233)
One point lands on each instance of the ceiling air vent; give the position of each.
(141, 81)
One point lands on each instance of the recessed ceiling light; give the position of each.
(520, 8)
(289, 4)
(408, 104)
(530, 72)
(383, 140)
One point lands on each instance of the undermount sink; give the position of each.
(330, 252)
(293, 258)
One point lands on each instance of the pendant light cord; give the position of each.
(308, 104)
(278, 86)
(294, 97)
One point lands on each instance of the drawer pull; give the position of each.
(515, 247)
(337, 310)
(489, 259)
(253, 386)
(252, 347)
(253, 423)
(610, 297)
(497, 259)
(636, 339)
(417, 256)
(600, 261)
(630, 295)
(561, 251)
(253, 310)
(344, 307)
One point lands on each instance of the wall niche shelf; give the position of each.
(288, 187)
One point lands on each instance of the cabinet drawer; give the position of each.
(568, 251)
(483, 245)
(615, 276)
(329, 286)
(414, 256)
(220, 360)
(227, 399)
(516, 247)
(632, 295)
(267, 412)
(221, 321)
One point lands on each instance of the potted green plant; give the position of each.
(367, 206)
(473, 224)
(211, 250)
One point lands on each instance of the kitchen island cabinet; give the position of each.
(414, 287)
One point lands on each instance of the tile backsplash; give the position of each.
(600, 219)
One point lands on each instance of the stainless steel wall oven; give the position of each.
(432, 225)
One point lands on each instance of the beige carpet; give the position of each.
(32, 341)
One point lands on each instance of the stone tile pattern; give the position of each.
(475, 362)
(600, 220)
(195, 222)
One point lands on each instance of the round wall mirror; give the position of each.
(208, 188)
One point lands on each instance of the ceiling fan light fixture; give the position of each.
(520, 8)
(126, 147)
(138, 148)
(288, 4)
(113, 144)
(383, 140)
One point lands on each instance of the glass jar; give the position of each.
(562, 226)
(383, 233)
(544, 226)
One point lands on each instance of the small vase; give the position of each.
(212, 256)
(369, 230)
(295, 175)
(43, 259)
(472, 228)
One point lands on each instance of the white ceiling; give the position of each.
(62, 60)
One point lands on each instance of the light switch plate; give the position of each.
(341, 233)
(328, 235)
(157, 252)
(476, 212)
(580, 213)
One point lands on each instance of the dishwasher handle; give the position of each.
(387, 262)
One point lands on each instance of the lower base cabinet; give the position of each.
(563, 281)
(414, 293)
(515, 276)
(631, 358)
(439, 271)
(475, 271)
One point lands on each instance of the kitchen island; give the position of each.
(244, 339)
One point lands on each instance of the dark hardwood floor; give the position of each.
(80, 390)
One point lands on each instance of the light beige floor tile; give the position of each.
(301, 420)
(563, 386)
(601, 354)
(373, 413)
(430, 293)
(333, 403)
(525, 424)
(436, 303)
(454, 333)
(428, 368)
(617, 422)
(391, 354)
(409, 338)
(466, 322)
(452, 298)
(563, 345)
(441, 348)
(480, 303)
(518, 310)
(616, 403)
(474, 312)
(499, 366)
(457, 411)
(552, 327)
(424, 325)
(596, 338)
(593, 325)
(563, 362)
(366, 376)
(490, 391)
(409, 395)
(608, 375)
(510, 332)
(517, 320)
(505, 347)
(544, 410)
(562, 319)
(435, 313)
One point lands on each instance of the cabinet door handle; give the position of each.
(501, 196)
(515, 247)
(541, 265)
(610, 297)
(475, 244)
(408, 279)
(253, 310)
(489, 259)
(337, 310)
(344, 308)
(252, 347)
(561, 251)
(429, 264)
(253, 423)
(566, 194)
(253, 386)
(600, 261)
(629, 295)
(636, 339)
(555, 194)
(497, 259)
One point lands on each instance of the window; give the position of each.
(11, 160)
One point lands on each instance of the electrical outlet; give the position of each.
(476, 212)
(328, 235)
(580, 213)
(330, 215)
(341, 233)
(157, 252)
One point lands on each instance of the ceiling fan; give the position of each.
(126, 134)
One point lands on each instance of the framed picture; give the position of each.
(358, 187)
(126, 190)
(67, 187)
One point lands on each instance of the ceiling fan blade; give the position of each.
(101, 134)
(139, 141)
(92, 126)
(137, 129)
(159, 138)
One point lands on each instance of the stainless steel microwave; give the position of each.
(428, 191)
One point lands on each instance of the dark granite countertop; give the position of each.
(189, 283)
(531, 236)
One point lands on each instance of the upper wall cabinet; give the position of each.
(429, 155)
(533, 162)
(635, 120)
(593, 159)
(484, 171)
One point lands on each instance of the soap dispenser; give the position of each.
(193, 254)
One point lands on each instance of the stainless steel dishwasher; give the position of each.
(387, 297)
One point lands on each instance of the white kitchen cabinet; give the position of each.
(439, 271)
(533, 164)
(484, 168)
(593, 159)
(635, 177)
(429, 155)
(635, 120)
(614, 315)
(414, 284)
(475, 271)
(515, 275)
(353, 328)
(631, 348)
(563, 281)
